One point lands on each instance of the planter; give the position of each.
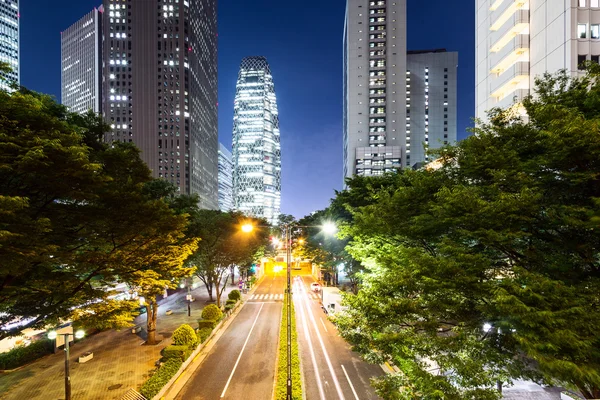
(169, 312)
(136, 329)
(85, 357)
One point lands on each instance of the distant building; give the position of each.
(396, 103)
(81, 59)
(158, 87)
(256, 142)
(517, 41)
(9, 41)
(431, 97)
(225, 179)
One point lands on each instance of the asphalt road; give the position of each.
(331, 370)
(241, 365)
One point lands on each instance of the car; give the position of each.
(315, 287)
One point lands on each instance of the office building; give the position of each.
(256, 142)
(225, 179)
(374, 86)
(159, 88)
(431, 96)
(516, 41)
(9, 42)
(81, 64)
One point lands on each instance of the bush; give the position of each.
(180, 352)
(22, 355)
(184, 336)
(207, 323)
(203, 334)
(160, 378)
(229, 307)
(230, 302)
(281, 374)
(213, 312)
(234, 295)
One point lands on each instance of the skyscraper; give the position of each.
(160, 88)
(374, 86)
(431, 92)
(256, 142)
(225, 179)
(516, 41)
(9, 41)
(81, 63)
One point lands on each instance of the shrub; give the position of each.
(181, 352)
(207, 323)
(203, 334)
(229, 307)
(184, 336)
(281, 374)
(234, 295)
(213, 312)
(230, 302)
(160, 378)
(22, 355)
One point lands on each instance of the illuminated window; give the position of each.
(595, 31)
(581, 31)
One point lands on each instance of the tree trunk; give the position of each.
(152, 311)
(233, 275)
(209, 289)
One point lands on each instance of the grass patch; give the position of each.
(281, 388)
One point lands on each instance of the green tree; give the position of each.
(222, 245)
(487, 268)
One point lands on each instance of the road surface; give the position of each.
(241, 365)
(331, 370)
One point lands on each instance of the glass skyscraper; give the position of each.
(225, 179)
(9, 41)
(256, 142)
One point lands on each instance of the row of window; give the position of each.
(593, 3)
(582, 31)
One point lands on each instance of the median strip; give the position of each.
(281, 386)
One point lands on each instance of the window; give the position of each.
(581, 31)
(580, 61)
(581, 3)
(595, 31)
(594, 3)
(596, 59)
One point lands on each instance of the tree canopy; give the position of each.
(487, 268)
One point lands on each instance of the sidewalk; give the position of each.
(120, 361)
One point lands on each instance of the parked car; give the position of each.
(315, 287)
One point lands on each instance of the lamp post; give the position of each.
(328, 228)
(79, 334)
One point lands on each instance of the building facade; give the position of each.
(81, 64)
(159, 88)
(516, 41)
(374, 86)
(9, 42)
(256, 142)
(225, 179)
(431, 103)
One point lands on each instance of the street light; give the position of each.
(247, 228)
(329, 228)
(79, 334)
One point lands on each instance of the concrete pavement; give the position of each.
(241, 364)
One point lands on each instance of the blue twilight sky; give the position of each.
(302, 41)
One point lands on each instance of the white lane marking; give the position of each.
(350, 382)
(324, 327)
(310, 348)
(242, 351)
(262, 296)
(271, 296)
(253, 297)
(316, 328)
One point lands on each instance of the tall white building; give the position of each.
(374, 86)
(81, 64)
(225, 179)
(517, 40)
(256, 142)
(9, 41)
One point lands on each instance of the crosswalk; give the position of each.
(277, 296)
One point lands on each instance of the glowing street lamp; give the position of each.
(78, 335)
(247, 228)
(329, 228)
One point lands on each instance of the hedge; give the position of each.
(234, 295)
(173, 351)
(213, 312)
(22, 355)
(207, 323)
(230, 301)
(160, 378)
(184, 336)
(281, 388)
(229, 307)
(203, 334)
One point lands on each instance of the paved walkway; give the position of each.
(120, 361)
